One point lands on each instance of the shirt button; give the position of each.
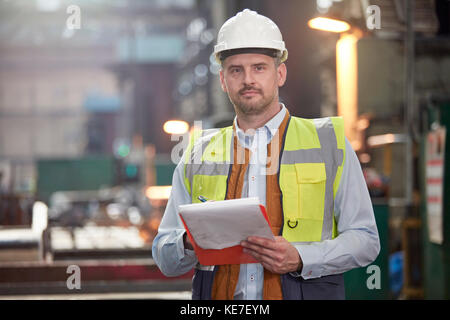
(252, 277)
(253, 178)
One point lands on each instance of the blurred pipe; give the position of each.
(387, 160)
(385, 139)
(149, 162)
(409, 99)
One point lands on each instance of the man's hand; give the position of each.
(277, 256)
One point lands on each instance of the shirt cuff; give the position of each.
(181, 251)
(312, 260)
(179, 244)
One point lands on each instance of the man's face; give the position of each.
(251, 81)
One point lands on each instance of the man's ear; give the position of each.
(282, 73)
(222, 81)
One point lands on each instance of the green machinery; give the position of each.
(361, 283)
(436, 257)
(164, 172)
(92, 173)
(87, 173)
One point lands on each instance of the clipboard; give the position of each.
(229, 255)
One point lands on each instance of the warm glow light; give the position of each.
(364, 158)
(327, 24)
(363, 124)
(347, 83)
(158, 192)
(176, 127)
(356, 145)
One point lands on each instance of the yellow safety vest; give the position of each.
(311, 162)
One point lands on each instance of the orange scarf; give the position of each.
(227, 276)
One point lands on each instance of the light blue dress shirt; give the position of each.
(356, 245)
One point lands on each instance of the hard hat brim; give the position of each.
(274, 53)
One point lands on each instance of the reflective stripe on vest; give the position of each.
(309, 174)
(207, 163)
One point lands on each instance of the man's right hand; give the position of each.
(186, 242)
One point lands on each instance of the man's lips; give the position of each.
(249, 92)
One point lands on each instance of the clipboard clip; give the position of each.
(292, 226)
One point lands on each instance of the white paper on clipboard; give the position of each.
(223, 224)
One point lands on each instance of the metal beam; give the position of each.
(409, 100)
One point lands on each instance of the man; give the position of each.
(304, 171)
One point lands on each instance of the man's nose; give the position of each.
(248, 77)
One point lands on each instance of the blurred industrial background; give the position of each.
(87, 88)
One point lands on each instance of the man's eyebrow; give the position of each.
(253, 65)
(234, 66)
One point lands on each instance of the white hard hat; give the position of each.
(248, 29)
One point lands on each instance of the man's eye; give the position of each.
(235, 70)
(259, 68)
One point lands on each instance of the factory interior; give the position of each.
(96, 95)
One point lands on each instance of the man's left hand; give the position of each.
(277, 256)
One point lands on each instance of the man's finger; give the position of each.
(256, 248)
(262, 245)
(261, 257)
(264, 242)
(267, 262)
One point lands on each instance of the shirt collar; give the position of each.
(270, 127)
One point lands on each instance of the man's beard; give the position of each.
(251, 106)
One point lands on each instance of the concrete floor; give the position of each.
(178, 295)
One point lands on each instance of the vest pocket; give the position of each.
(211, 187)
(311, 182)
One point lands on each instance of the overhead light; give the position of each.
(176, 127)
(48, 5)
(328, 24)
